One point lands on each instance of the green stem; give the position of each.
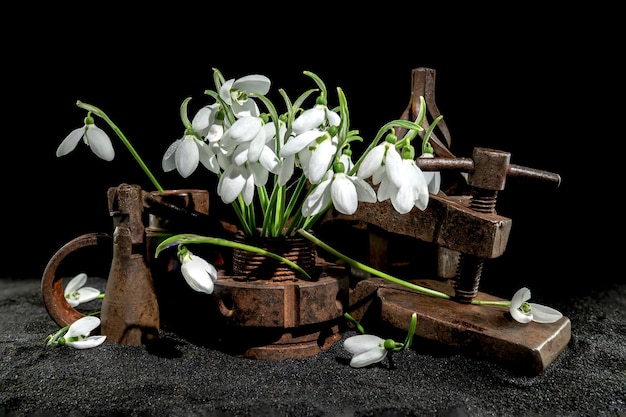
(376, 272)
(371, 270)
(95, 110)
(183, 239)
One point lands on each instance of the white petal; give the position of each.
(168, 162)
(404, 199)
(433, 179)
(214, 133)
(100, 143)
(87, 294)
(231, 183)
(333, 118)
(70, 141)
(204, 118)
(240, 155)
(199, 274)
(372, 162)
(422, 201)
(256, 146)
(269, 160)
(260, 174)
(299, 142)
(362, 342)
(368, 357)
(287, 168)
(82, 326)
(187, 156)
(245, 109)
(320, 161)
(364, 191)
(245, 129)
(520, 316)
(254, 83)
(208, 158)
(318, 199)
(75, 283)
(522, 295)
(343, 194)
(393, 166)
(386, 189)
(544, 314)
(91, 341)
(248, 190)
(225, 91)
(309, 119)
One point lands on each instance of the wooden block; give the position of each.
(483, 332)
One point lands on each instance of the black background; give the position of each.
(523, 81)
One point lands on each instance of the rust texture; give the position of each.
(130, 310)
(52, 280)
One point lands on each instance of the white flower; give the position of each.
(315, 118)
(75, 293)
(366, 349)
(248, 136)
(525, 312)
(315, 160)
(199, 274)
(413, 192)
(205, 119)
(77, 335)
(185, 154)
(299, 142)
(345, 192)
(382, 161)
(433, 178)
(236, 93)
(93, 136)
(236, 180)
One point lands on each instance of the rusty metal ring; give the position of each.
(52, 283)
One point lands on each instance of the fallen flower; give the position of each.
(76, 293)
(524, 312)
(368, 349)
(77, 335)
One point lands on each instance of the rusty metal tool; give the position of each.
(467, 231)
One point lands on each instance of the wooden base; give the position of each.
(484, 332)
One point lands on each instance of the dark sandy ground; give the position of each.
(185, 379)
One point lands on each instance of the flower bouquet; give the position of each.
(281, 168)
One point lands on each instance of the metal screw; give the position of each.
(488, 170)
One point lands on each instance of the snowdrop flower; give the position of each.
(315, 117)
(316, 150)
(77, 335)
(345, 192)
(382, 161)
(199, 274)
(76, 293)
(412, 192)
(248, 136)
(433, 178)
(366, 349)
(236, 93)
(186, 153)
(93, 136)
(206, 118)
(236, 180)
(525, 312)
